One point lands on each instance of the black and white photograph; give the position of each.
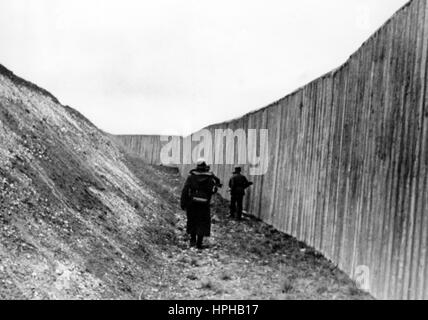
(221, 152)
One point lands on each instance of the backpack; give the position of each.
(201, 191)
(199, 197)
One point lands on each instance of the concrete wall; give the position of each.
(348, 159)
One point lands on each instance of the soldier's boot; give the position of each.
(193, 240)
(232, 212)
(200, 242)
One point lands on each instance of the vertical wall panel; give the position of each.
(348, 159)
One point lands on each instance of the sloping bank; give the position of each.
(77, 221)
(347, 165)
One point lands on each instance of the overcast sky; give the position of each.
(175, 66)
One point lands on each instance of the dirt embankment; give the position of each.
(75, 221)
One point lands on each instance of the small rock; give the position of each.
(192, 277)
(196, 262)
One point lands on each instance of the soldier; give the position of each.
(237, 184)
(195, 199)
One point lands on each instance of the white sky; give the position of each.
(175, 66)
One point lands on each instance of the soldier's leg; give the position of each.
(193, 239)
(200, 242)
(239, 201)
(233, 206)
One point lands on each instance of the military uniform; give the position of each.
(195, 199)
(237, 184)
